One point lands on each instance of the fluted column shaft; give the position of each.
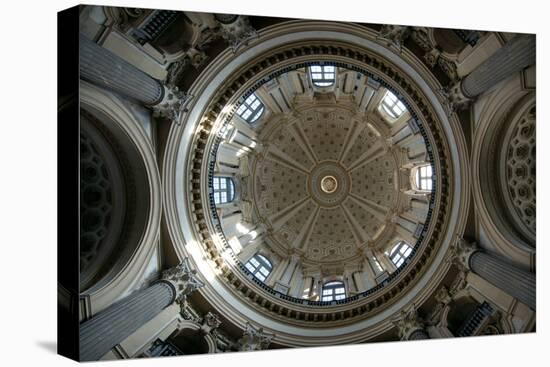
(105, 69)
(113, 325)
(516, 282)
(516, 55)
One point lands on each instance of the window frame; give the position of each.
(330, 291)
(257, 270)
(253, 107)
(400, 253)
(323, 81)
(423, 181)
(389, 103)
(218, 191)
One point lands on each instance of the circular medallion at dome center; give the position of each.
(329, 183)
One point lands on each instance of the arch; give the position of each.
(190, 341)
(500, 110)
(128, 269)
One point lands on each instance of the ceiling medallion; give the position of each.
(329, 184)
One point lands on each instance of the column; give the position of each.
(277, 272)
(385, 261)
(296, 283)
(307, 287)
(287, 275)
(317, 286)
(113, 325)
(518, 283)
(348, 282)
(369, 276)
(517, 54)
(103, 68)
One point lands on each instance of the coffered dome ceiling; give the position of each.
(316, 165)
(325, 182)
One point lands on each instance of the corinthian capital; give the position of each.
(461, 252)
(173, 105)
(456, 99)
(184, 280)
(236, 30)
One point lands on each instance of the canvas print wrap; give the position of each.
(251, 183)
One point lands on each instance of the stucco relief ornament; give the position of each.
(431, 57)
(176, 70)
(239, 33)
(123, 18)
(254, 339)
(408, 322)
(173, 105)
(449, 67)
(420, 35)
(210, 323)
(184, 279)
(443, 296)
(393, 36)
(188, 313)
(453, 98)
